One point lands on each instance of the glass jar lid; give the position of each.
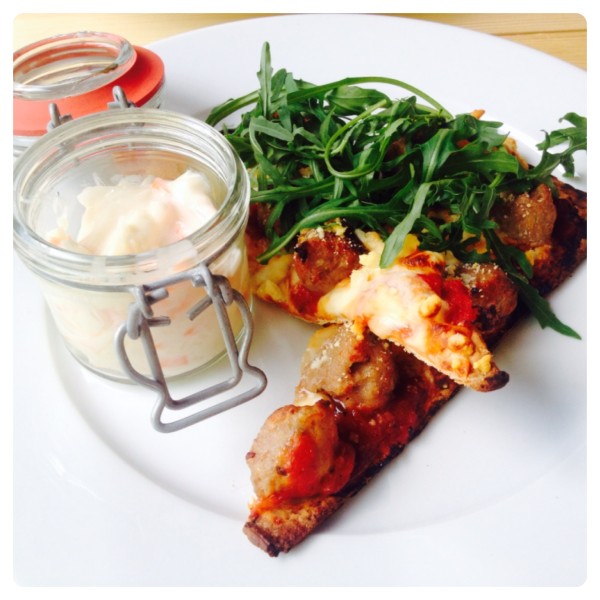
(77, 72)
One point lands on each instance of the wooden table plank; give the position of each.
(562, 35)
(509, 23)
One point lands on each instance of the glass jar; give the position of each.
(89, 295)
(77, 72)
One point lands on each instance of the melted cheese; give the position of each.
(398, 305)
(270, 281)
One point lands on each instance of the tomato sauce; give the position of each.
(300, 469)
(304, 300)
(376, 435)
(453, 291)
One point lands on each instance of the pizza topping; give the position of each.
(459, 306)
(430, 306)
(400, 304)
(358, 371)
(298, 454)
(526, 220)
(324, 256)
(492, 295)
(271, 281)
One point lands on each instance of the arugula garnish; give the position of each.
(575, 139)
(347, 150)
(517, 266)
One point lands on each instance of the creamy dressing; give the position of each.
(135, 215)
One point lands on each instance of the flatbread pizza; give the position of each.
(413, 239)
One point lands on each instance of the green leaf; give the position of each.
(475, 209)
(467, 128)
(275, 130)
(541, 309)
(264, 77)
(349, 100)
(395, 242)
(477, 157)
(575, 139)
(576, 135)
(513, 260)
(345, 131)
(435, 152)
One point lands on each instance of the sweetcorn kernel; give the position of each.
(457, 341)
(484, 364)
(270, 290)
(430, 306)
(460, 365)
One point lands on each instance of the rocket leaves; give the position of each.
(346, 149)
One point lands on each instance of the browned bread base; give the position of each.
(279, 529)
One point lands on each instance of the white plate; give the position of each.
(492, 493)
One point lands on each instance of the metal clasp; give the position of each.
(141, 319)
(120, 100)
(56, 118)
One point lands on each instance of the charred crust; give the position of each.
(301, 518)
(262, 539)
(495, 382)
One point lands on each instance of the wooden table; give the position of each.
(561, 35)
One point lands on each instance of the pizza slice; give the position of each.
(361, 396)
(413, 239)
(359, 401)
